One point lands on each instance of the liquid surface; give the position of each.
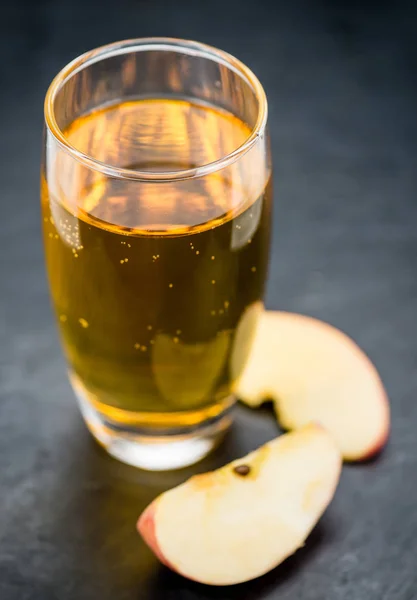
(156, 285)
(159, 135)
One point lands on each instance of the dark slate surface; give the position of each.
(341, 80)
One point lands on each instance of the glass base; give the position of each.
(154, 450)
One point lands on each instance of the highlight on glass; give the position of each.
(156, 192)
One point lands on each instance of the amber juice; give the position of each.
(156, 287)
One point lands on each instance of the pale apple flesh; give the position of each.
(313, 371)
(241, 521)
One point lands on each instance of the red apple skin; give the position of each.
(146, 528)
(385, 431)
(379, 445)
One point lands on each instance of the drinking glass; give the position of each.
(156, 197)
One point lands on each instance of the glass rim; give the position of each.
(189, 47)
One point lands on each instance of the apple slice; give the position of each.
(314, 372)
(237, 523)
